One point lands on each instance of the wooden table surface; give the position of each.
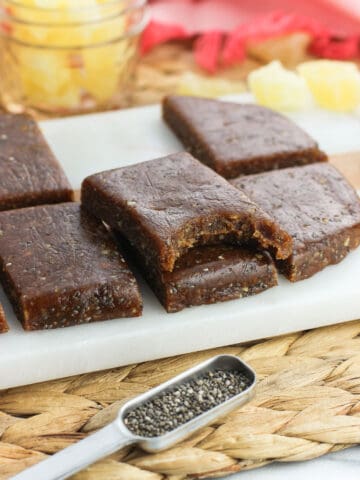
(349, 165)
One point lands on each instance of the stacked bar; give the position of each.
(171, 211)
(208, 274)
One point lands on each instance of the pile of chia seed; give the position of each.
(173, 408)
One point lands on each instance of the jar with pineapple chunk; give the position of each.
(66, 57)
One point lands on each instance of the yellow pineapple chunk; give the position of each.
(46, 79)
(335, 85)
(276, 87)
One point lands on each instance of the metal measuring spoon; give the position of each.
(116, 435)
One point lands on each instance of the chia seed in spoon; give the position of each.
(175, 407)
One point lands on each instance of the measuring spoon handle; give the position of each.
(78, 456)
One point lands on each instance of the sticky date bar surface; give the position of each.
(165, 207)
(209, 274)
(29, 172)
(236, 139)
(3, 324)
(64, 268)
(318, 208)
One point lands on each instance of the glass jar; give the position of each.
(60, 59)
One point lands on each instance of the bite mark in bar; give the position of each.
(167, 206)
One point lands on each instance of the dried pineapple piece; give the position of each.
(276, 87)
(335, 85)
(100, 74)
(46, 79)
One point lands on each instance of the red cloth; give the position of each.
(208, 50)
(334, 48)
(341, 17)
(224, 46)
(156, 33)
(265, 27)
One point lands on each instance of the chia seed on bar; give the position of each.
(172, 409)
(29, 172)
(64, 268)
(317, 206)
(238, 139)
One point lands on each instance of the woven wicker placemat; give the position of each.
(307, 404)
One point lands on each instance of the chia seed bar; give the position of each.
(64, 268)
(319, 209)
(238, 139)
(209, 274)
(29, 172)
(167, 206)
(3, 325)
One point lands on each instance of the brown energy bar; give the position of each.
(165, 207)
(60, 267)
(3, 324)
(238, 139)
(209, 274)
(319, 209)
(29, 172)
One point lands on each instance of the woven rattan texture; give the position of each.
(307, 404)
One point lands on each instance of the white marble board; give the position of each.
(96, 142)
